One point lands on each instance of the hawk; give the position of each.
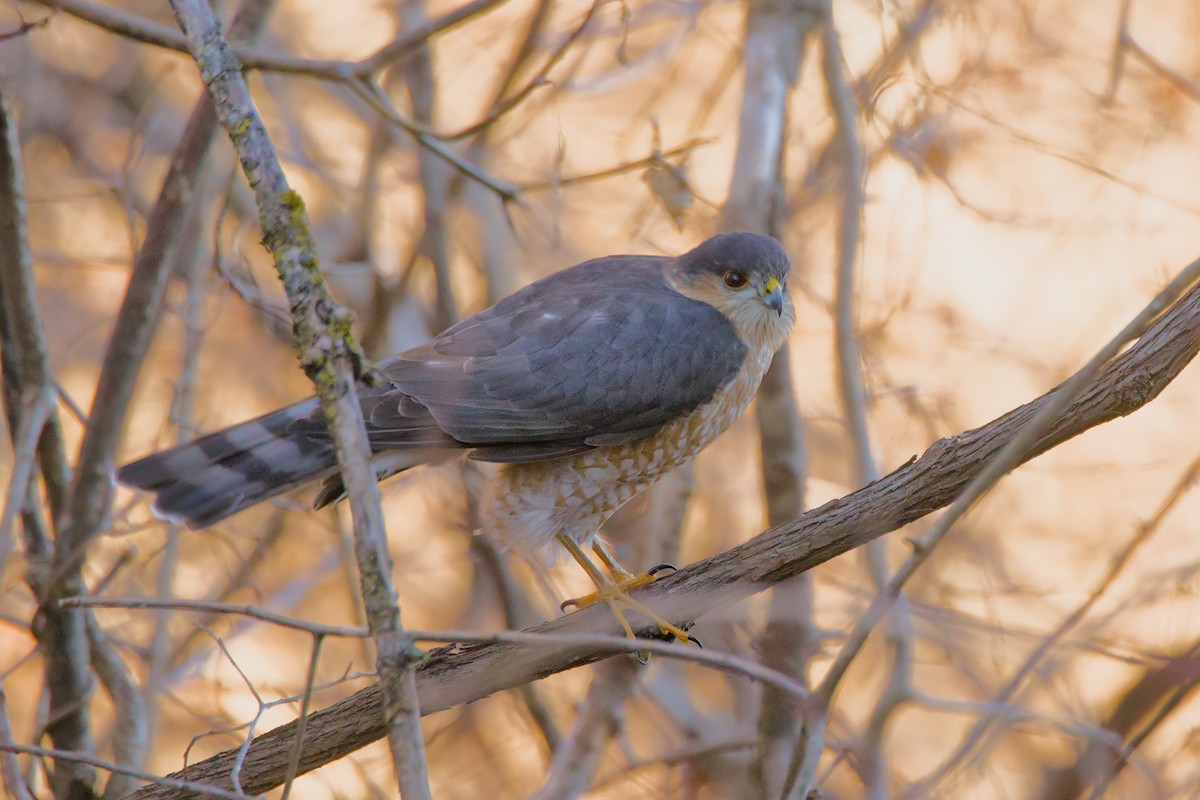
(585, 387)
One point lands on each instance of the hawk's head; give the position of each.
(744, 276)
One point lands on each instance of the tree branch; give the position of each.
(29, 395)
(451, 676)
(140, 29)
(61, 633)
(333, 361)
(192, 788)
(855, 399)
(775, 45)
(1011, 454)
(10, 770)
(358, 76)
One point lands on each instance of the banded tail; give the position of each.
(203, 482)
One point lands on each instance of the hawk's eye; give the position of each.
(735, 279)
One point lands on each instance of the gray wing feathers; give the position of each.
(577, 360)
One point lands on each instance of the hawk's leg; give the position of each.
(625, 579)
(615, 590)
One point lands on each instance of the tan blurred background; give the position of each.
(1022, 205)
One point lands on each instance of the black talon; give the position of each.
(657, 568)
(667, 636)
(565, 604)
(642, 657)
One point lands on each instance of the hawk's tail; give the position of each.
(207, 480)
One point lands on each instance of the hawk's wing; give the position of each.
(603, 353)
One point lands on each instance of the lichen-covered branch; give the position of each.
(333, 361)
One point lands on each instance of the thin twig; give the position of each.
(132, 26)
(374, 97)
(132, 736)
(24, 27)
(10, 769)
(235, 774)
(853, 176)
(176, 604)
(505, 104)
(420, 35)
(62, 756)
(608, 643)
(302, 721)
(612, 172)
(725, 662)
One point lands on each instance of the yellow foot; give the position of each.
(622, 582)
(615, 592)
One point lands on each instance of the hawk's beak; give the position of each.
(772, 296)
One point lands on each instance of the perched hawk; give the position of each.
(587, 386)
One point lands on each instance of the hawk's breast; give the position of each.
(531, 503)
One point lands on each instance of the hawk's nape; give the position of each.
(600, 355)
